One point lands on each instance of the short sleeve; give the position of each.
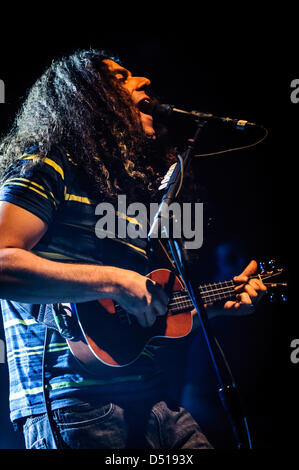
(35, 184)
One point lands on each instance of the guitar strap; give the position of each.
(58, 317)
(46, 390)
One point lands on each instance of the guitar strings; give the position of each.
(186, 302)
(205, 293)
(204, 290)
(210, 294)
(180, 300)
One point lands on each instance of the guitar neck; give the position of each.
(180, 300)
(212, 292)
(209, 293)
(217, 291)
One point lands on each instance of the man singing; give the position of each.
(78, 140)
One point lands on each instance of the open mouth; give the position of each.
(146, 106)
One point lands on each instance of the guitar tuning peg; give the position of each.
(272, 264)
(268, 265)
(272, 297)
(263, 266)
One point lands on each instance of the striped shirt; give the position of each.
(53, 190)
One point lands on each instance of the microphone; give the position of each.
(157, 109)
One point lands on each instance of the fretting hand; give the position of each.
(249, 292)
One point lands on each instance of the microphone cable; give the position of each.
(233, 149)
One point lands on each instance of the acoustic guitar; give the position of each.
(110, 336)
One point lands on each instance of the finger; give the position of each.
(140, 316)
(251, 291)
(244, 298)
(241, 278)
(229, 304)
(240, 287)
(250, 269)
(163, 297)
(257, 284)
(148, 317)
(145, 317)
(159, 308)
(157, 291)
(141, 320)
(237, 305)
(160, 313)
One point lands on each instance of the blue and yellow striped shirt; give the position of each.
(52, 190)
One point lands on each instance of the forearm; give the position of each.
(25, 277)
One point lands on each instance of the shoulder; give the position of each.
(55, 163)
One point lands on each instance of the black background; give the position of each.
(249, 196)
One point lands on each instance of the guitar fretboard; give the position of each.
(225, 290)
(213, 292)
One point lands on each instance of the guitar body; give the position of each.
(111, 337)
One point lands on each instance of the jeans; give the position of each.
(134, 425)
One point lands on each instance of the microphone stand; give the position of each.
(228, 393)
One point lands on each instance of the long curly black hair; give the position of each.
(78, 105)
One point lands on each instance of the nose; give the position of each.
(141, 82)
